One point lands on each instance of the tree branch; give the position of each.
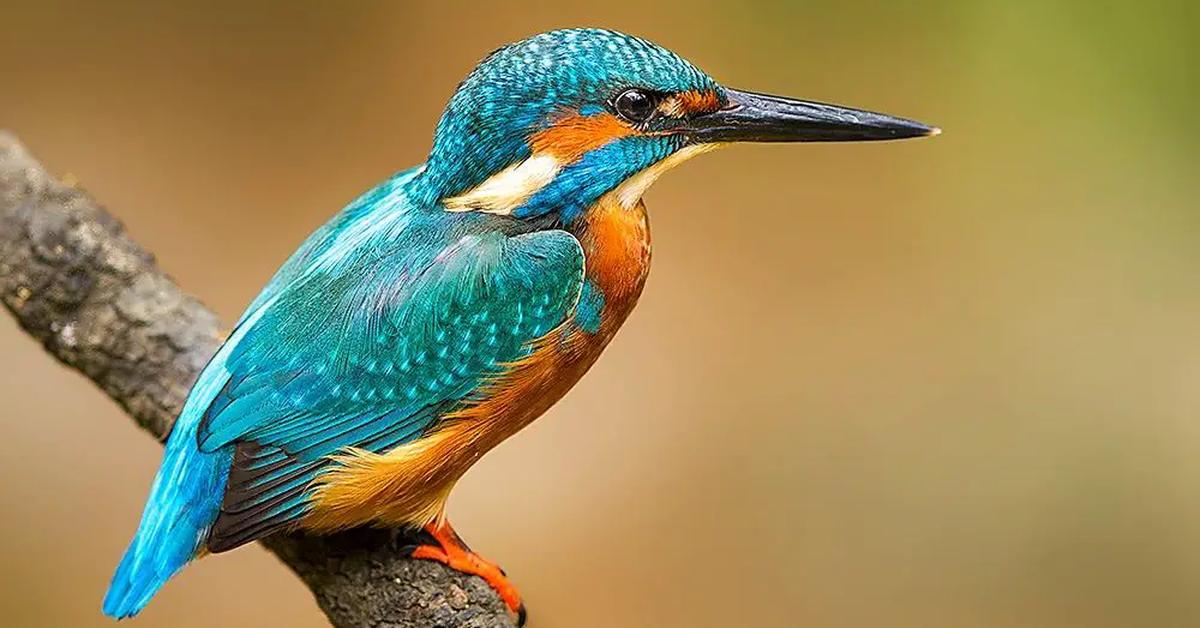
(74, 280)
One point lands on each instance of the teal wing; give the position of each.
(371, 358)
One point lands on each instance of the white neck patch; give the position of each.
(508, 189)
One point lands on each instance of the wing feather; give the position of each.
(387, 355)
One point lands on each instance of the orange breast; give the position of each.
(408, 486)
(616, 244)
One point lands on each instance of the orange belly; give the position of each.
(409, 485)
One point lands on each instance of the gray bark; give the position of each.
(74, 280)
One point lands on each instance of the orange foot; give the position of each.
(453, 552)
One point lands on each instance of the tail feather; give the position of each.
(183, 504)
(185, 498)
(184, 501)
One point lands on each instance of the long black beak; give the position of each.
(751, 117)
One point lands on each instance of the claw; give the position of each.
(450, 550)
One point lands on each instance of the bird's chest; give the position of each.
(616, 247)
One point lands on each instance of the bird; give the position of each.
(446, 308)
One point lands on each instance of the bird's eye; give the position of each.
(634, 105)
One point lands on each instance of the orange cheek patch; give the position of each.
(572, 136)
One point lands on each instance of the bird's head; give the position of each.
(548, 125)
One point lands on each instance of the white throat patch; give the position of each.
(631, 190)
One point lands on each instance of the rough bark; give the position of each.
(97, 301)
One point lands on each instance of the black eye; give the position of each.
(634, 105)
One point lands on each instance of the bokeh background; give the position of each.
(949, 383)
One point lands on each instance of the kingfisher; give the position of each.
(448, 307)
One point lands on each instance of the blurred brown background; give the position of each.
(950, 383)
